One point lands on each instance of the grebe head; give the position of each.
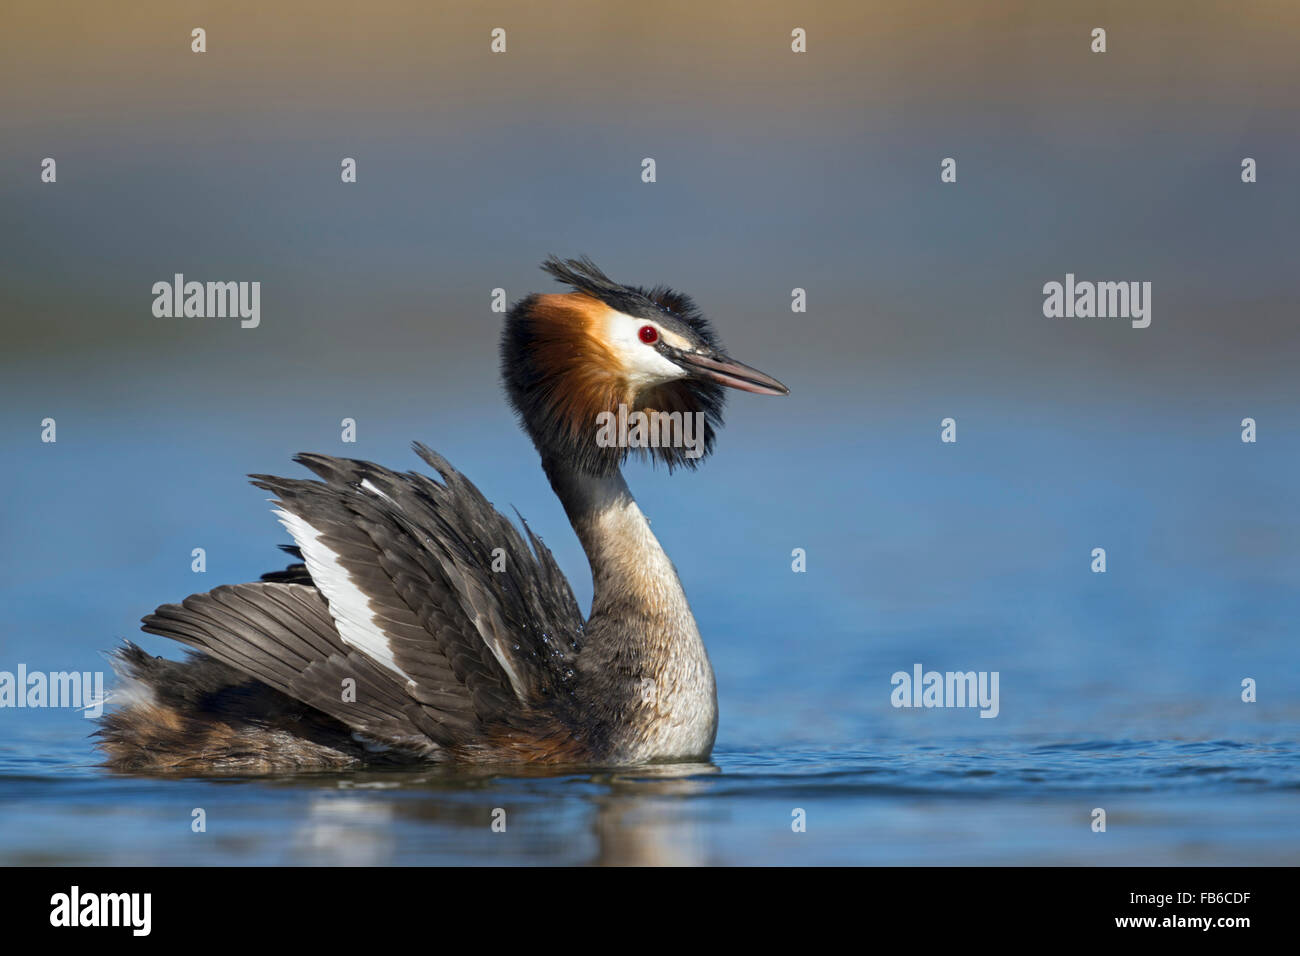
(569, 357)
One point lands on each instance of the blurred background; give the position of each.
(775, 170)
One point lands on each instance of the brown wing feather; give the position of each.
(466, 604)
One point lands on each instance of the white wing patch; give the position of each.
(348, 604)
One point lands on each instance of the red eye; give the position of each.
(649, 334)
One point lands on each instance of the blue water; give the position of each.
(1120, 691)
(1020, 801)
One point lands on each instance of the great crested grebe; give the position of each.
(420, 625)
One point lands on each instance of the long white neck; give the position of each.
(643, 665)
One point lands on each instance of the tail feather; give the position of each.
(201, 716)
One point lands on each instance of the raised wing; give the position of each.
(455, 629)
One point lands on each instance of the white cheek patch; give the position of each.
(642, 363)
